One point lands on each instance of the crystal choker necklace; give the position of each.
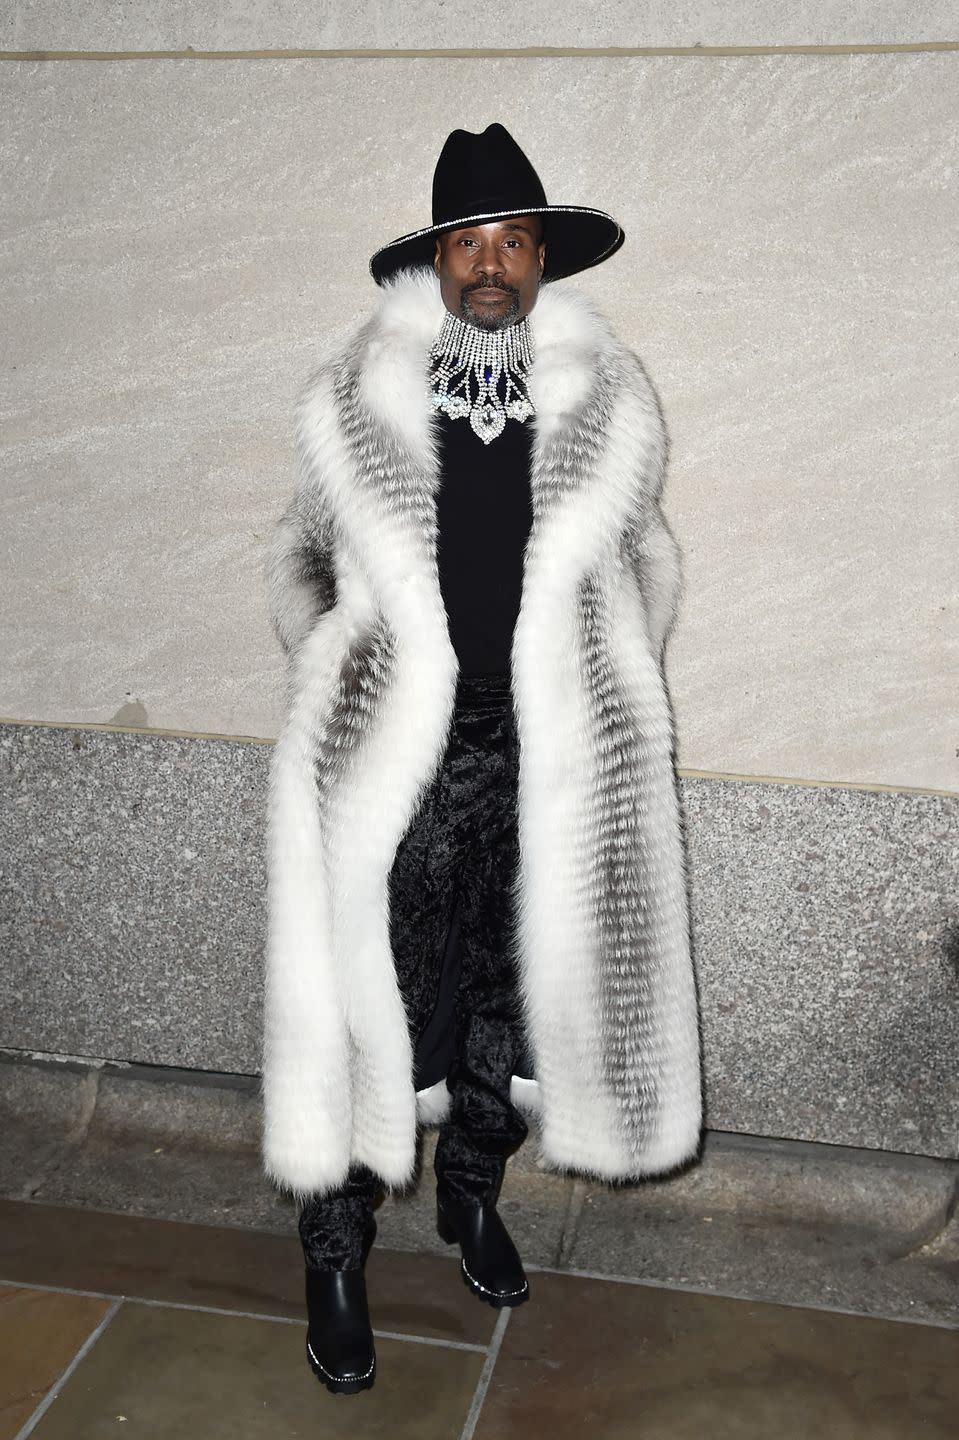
(466, 364)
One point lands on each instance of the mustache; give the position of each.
(490, 285)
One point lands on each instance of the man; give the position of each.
(477, 901)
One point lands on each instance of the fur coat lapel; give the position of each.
(602, 922)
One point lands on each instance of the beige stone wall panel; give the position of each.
(432, 24)
(175, 235)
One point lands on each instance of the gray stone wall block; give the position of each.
(825, 925)
(133, 896)
(824, 922)
(55, 1099)
(790, 1182)
(44, 1112)
(178, 1109)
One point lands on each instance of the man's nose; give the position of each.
(488, 260)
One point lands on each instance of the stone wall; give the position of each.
(179, 227)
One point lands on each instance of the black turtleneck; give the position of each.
(484, 514)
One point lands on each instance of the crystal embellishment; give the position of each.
(466, 365)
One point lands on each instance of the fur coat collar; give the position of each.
(602, 917)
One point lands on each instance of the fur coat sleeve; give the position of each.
(301, 561)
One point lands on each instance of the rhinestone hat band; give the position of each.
(466, 364)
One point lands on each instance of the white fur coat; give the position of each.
(607, 979)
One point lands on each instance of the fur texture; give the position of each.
(601, 902)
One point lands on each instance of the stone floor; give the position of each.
(151, 1285)
(123, 1325)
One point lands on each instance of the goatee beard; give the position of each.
(487, 321)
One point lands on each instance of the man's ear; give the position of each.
(542, 257)
(436, 255)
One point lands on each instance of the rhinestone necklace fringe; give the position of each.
(466, 364)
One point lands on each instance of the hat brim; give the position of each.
(576, 239)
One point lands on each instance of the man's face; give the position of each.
(490, 274)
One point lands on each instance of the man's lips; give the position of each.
(490, 290)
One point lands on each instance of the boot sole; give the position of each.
(495, 1298)
(340, 1384)
(498, 1300)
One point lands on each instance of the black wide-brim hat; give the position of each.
(481, 178)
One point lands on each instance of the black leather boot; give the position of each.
(339, 1339)
(491, 1266)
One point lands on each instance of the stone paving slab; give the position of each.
(199, 1329)
(40, 1332)
(222, 1267)
(176, 1373)
(622, 1361)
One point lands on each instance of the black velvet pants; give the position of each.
(454, 946)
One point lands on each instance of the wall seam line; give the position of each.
(533, 52)
(877, 786)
